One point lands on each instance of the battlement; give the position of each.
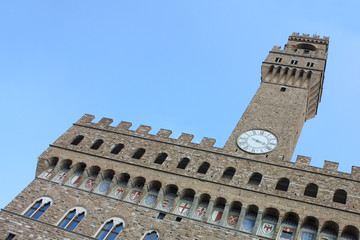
(306, 38)
(207, 144)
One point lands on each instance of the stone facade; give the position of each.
(182, 190)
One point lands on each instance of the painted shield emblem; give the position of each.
(216, 216)
(249, 224)
(267, 228)
(89, 183)
(200, 213)
(104, 186)
(74, 179)
(60, 177)
(118, 192)
(167, 204)
(134, 196)
(150, 200)
(232, 220)
(183, 208)
(47, 173)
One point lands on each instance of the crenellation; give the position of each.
(164, 133)
(86, 118)
(207, 142)
(185, 138)
(104, 122)
(123, 125)
(331, 167)
(143, 130)
(302, 161)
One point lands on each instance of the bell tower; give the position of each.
(289, 94)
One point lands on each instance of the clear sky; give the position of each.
(188, 66)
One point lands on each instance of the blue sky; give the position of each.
(188, 66)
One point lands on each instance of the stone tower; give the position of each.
(102, 182)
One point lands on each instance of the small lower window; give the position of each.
(178, 219)
(161, 216)
(10, 236)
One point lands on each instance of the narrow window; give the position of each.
(183, 163)
(294, 62)
(97, 144)
(117, 148)
(178, 219)
(38, 208)
(10, 236)
(255, 179)
(283, 184)
(139, 153)
(111, 229)
(229, 173)
(310, 64)
(278, 59)
(77, 139)
(203, 167)
(161, 216)
(151, 236)
(72, 219)
(340, 196)
(160, 158)
(283, 89)
(311, 190)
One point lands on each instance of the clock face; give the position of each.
(257, 141)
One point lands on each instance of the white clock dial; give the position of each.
(257, 141)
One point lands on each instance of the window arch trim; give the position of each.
(116, 222)
(150, 232)
(44, 201)
(78, 212)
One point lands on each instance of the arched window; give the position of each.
(202, 206)
(77, 139)
(311, 190)
(340, 196)
(350, 233)
(151, 235)
(283, 184)
(168, 199)
(229, 173)
(72, 218)
(185, 202)
(89, 182)
(288, 226)
(160, 158)
(255, 179)
(97, 144)
(329, 230)
(218, 211)
(203, 167)
(117, 148)
(139, 153)
(111, 229)
(38, 208)
(233, 215)
(250, 218)
(309, 228)
(183, 163)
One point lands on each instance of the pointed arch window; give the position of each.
(72, 218)
(111, 229)
(151, 235)
(38, 208)
(183, 163)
